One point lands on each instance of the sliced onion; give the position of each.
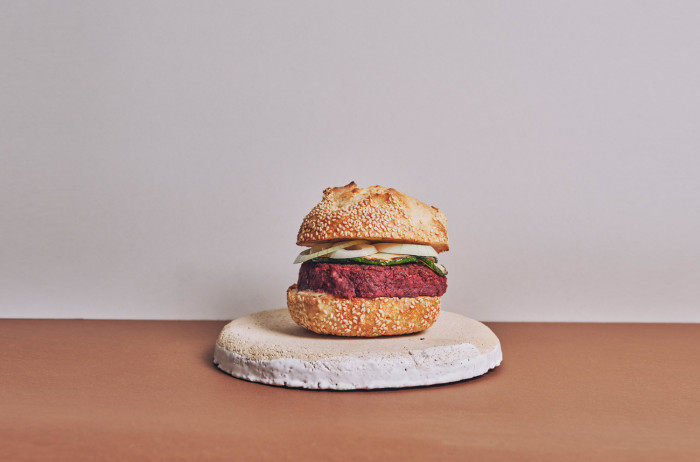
(381, 256)
(311, 253)
(406, 249)
(322, 246)
(354, 251)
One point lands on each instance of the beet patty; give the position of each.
(348, 280)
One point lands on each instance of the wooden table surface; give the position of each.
(147, 390)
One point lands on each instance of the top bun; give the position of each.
(376, 214)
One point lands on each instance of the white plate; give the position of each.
(268, 347)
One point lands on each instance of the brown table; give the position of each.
(147, 390)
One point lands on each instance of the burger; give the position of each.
(371, 267)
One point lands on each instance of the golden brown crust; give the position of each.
(376, 214)
(361, 317)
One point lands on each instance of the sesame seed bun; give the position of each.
(361, 317)
(377, 214)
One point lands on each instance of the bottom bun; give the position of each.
(361, 317)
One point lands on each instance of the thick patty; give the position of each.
(350, 280)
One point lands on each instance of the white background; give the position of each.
(158, 157)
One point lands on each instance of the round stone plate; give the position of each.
(268, 347)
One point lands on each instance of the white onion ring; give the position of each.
(406, 249)
(360, 250)
(308, 254)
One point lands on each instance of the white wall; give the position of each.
(158, 157)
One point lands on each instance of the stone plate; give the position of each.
(268, 347)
